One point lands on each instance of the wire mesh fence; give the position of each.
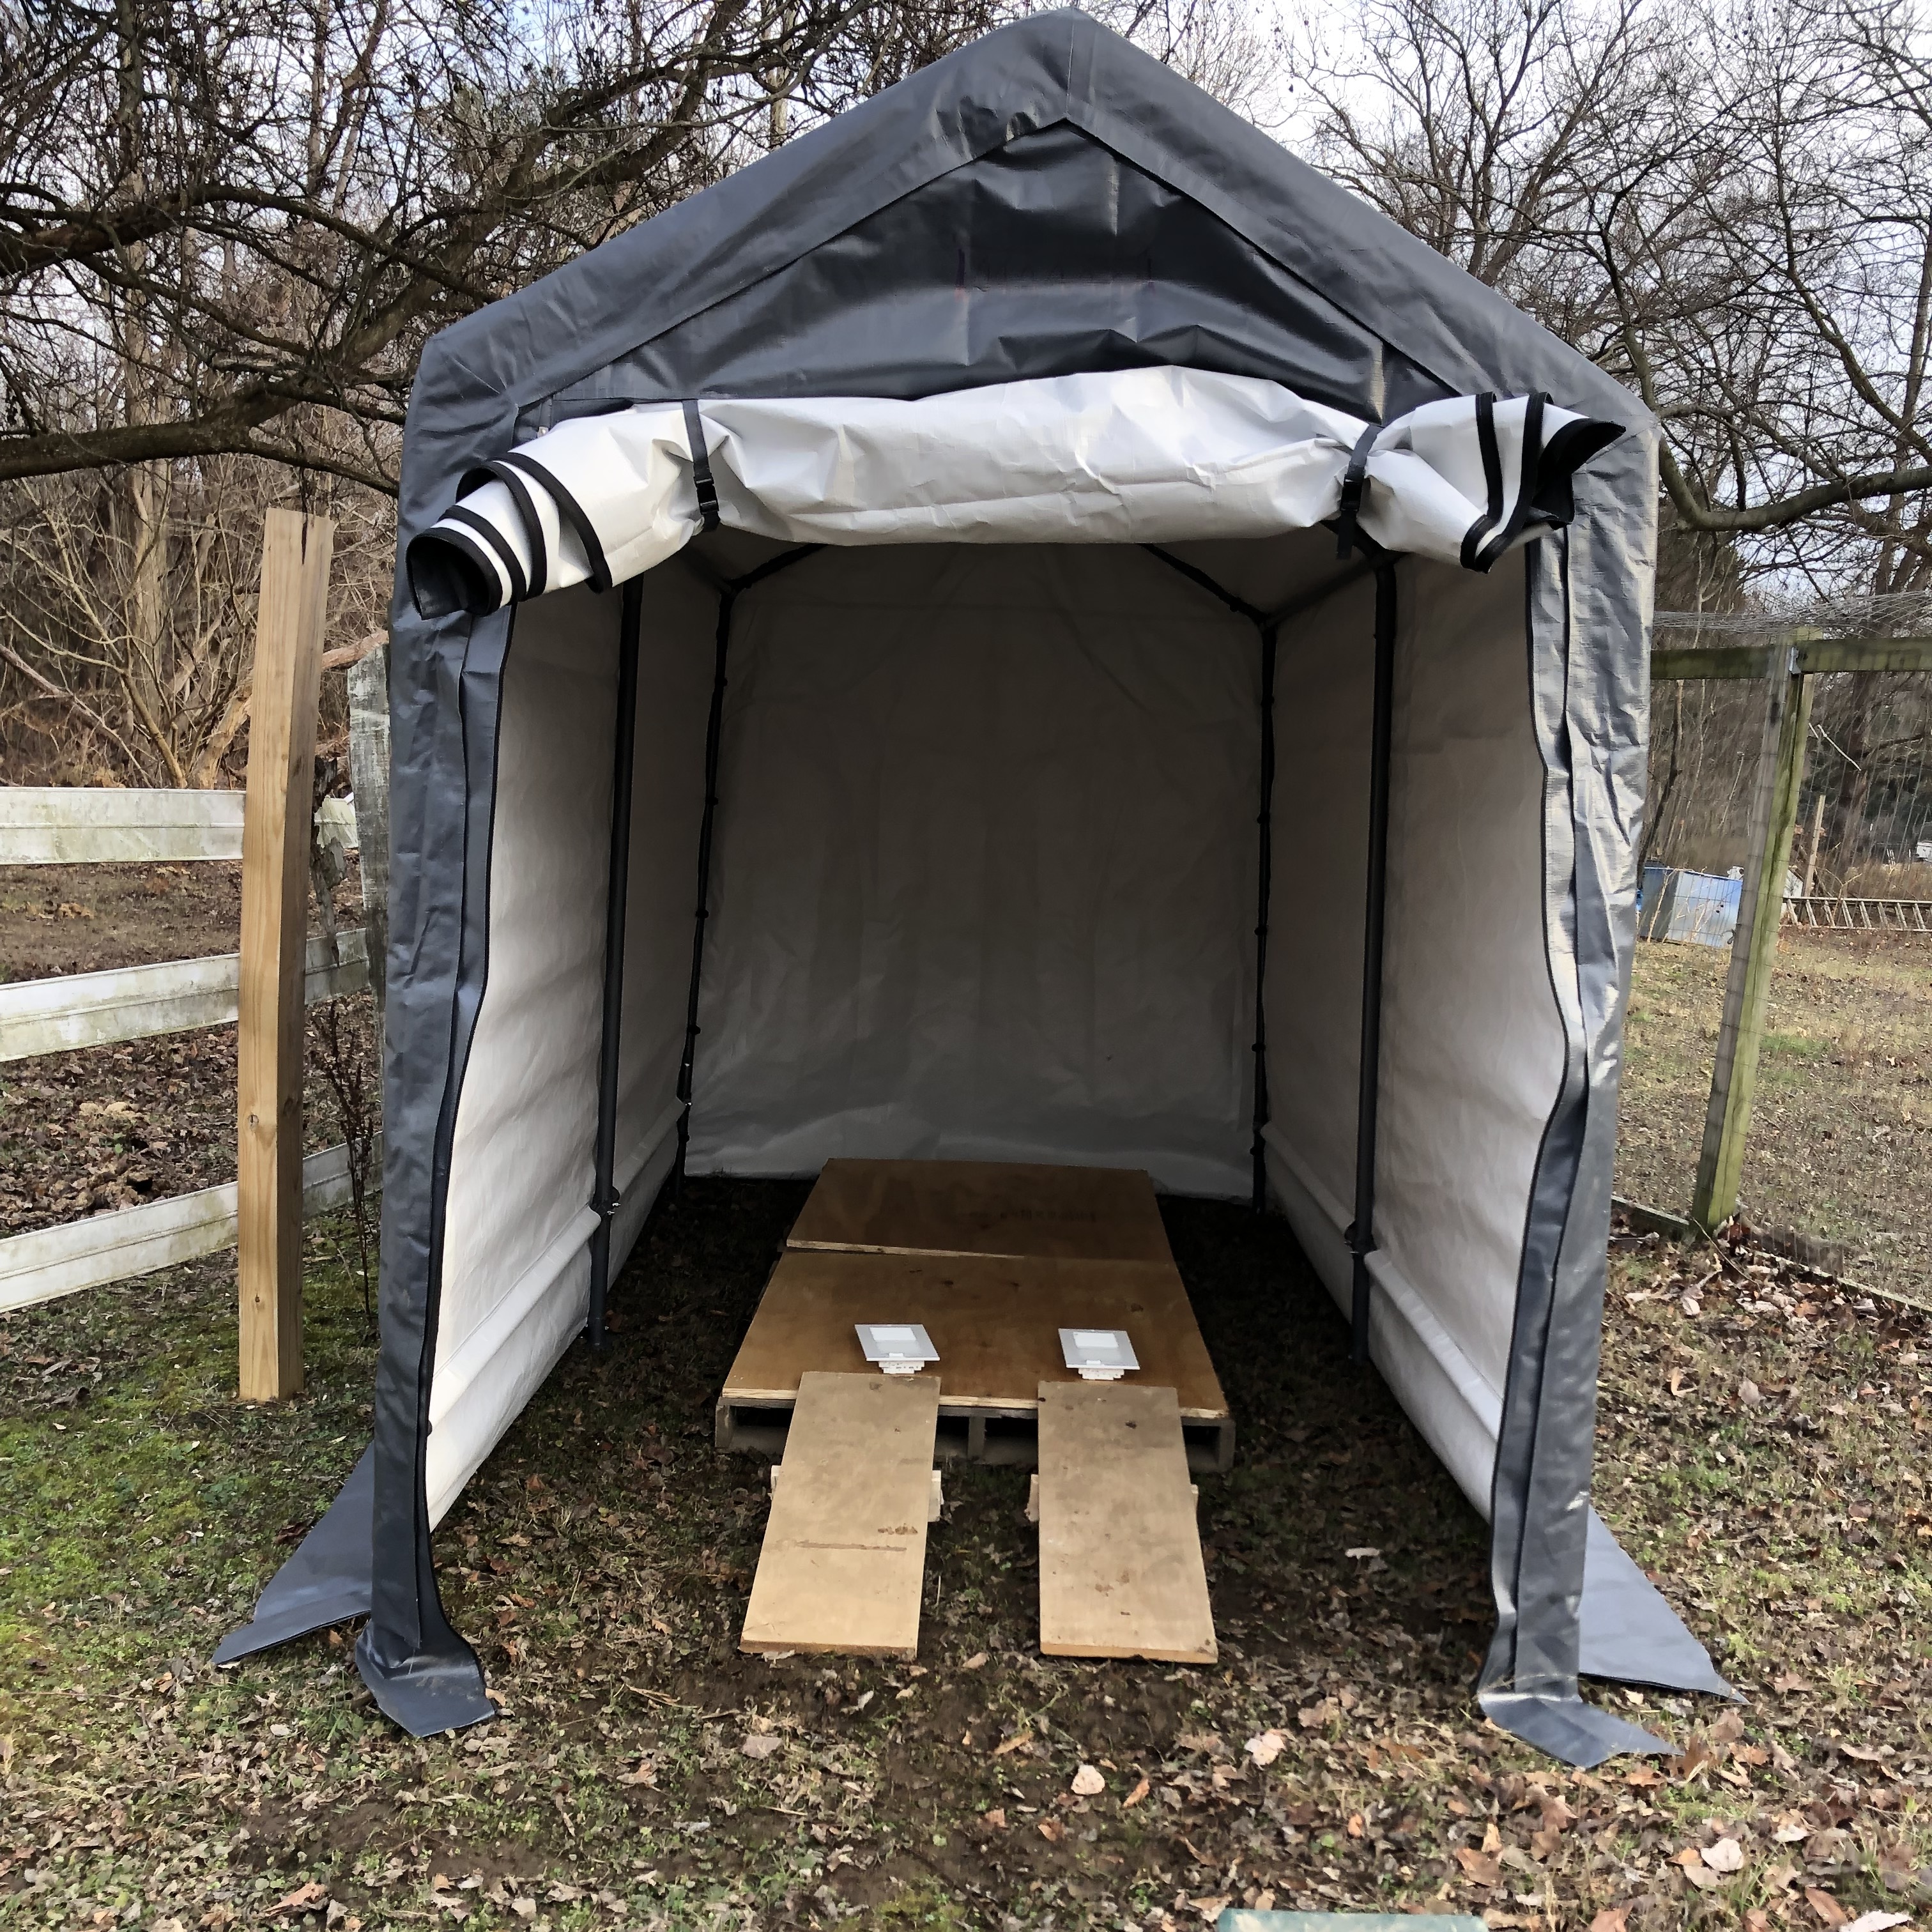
(1840, 1150)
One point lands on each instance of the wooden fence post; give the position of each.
(296, 551)
(1760, 912)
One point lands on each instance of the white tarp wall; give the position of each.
(516, 1266)
(984, 875)
(983, 885)
(1472, 1052)
(983, 880)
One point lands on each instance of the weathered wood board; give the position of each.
(1121, 1570)
(995, 1322)
(125, 1003)
(45, 1263)
(843, 1566)
(76, 825)
(983, 1207)
(291, 615)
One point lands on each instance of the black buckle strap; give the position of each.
(1354, 487)
(700, 467)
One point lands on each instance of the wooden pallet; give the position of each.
(983, 1207)
(843, 1566)
(995, 1322)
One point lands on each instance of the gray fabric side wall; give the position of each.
(674, 669)
(1588, 616)
(444, 686)
(1472, 1050)
(514, 1278)
(516, 1275)
(1325, 678)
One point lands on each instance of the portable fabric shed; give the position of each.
(924, 545)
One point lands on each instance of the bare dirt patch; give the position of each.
(87, 919)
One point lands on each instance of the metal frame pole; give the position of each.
(1361, 1231)
(1265, 889)
(603, 1196)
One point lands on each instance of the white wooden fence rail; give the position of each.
(74, 825)
(49, 1262)
(136, 1002)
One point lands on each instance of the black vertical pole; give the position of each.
(713, 732)
(1361, 1234)
(1264, 887)
(603, 1199)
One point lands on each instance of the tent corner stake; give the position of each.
(603, 1196)
(1361, 1232)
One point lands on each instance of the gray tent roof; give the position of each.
(887, 253)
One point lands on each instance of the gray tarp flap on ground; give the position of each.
(325, 1582)
(1630, 1634)
(1049, 202)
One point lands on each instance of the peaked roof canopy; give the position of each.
(1047, 200)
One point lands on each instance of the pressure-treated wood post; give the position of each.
(1760, 910)
(275, 836)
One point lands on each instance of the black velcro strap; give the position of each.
(1354, 487)
(700, 467)
(460, 513)
(1492, 477)
(1527, 485)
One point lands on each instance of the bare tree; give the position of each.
(1729, 207)
(252, 215)
(227, 227)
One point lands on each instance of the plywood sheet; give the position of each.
(983, 1207)
(844, 1562)
(1121, 1572)
(995, 1322)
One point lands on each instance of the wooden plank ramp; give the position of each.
(843, 1566)
(1120, 1569)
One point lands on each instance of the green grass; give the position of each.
(599, 1561)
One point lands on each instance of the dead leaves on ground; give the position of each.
(1478, 1867)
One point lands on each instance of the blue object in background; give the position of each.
(1696, 906)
